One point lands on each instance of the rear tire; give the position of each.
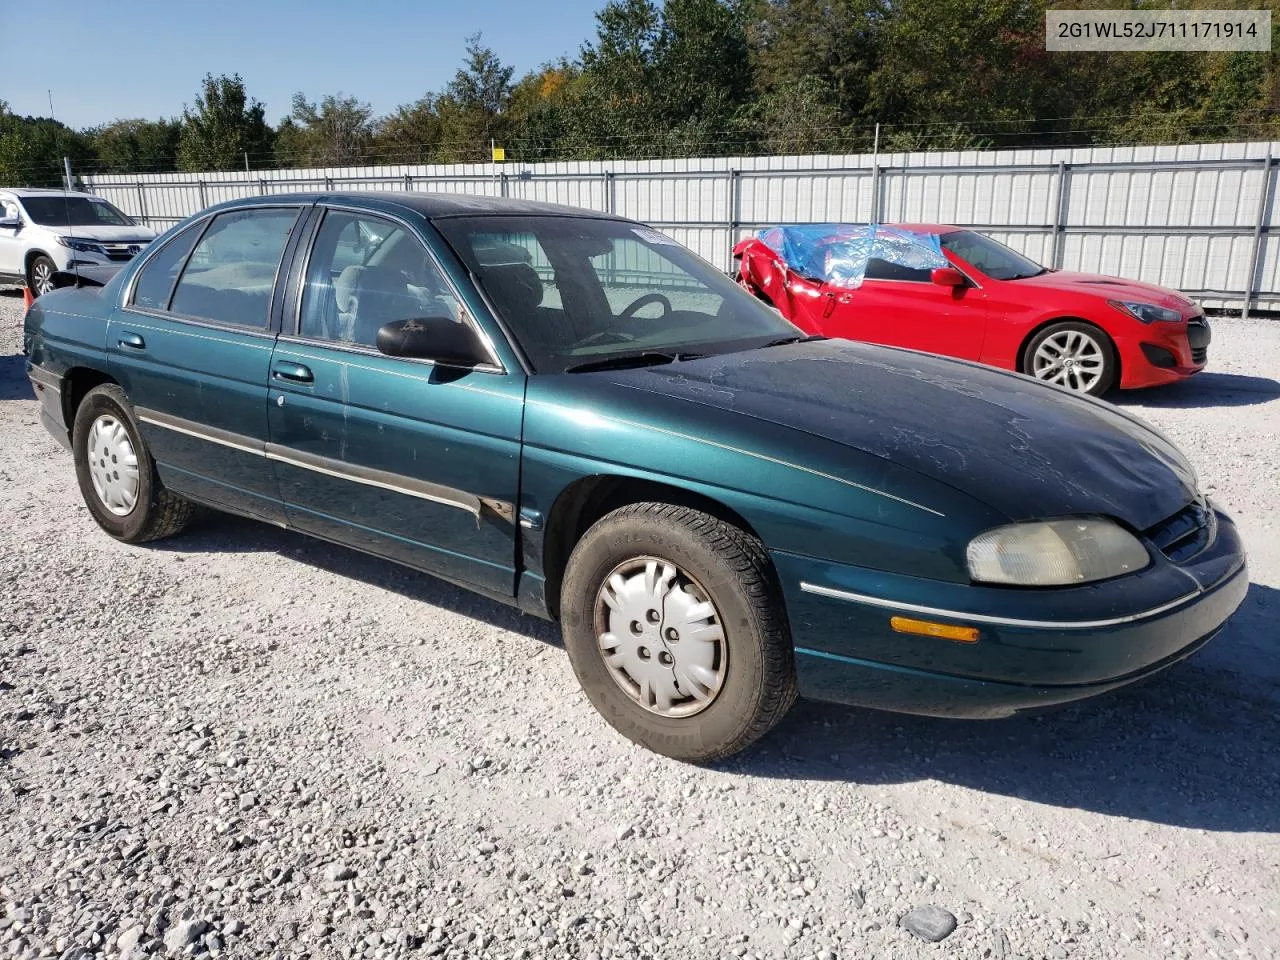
(1074, 355)
(40, 275)
(713, 670)
(117, 476)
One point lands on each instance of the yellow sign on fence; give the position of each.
(499, 154)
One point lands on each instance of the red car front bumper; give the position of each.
(1162, 353)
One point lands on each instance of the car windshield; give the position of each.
(994, 259)
(582, 292)
(56, 211)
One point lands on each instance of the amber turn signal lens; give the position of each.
(927, 628)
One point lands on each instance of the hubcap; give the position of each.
(42, 275)
(113, 465)
(661, 637)
(1071, 358)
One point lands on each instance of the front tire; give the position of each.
(675, 627)
(1072, 354)
(40, 275)
(116, 474)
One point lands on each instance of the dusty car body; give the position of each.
(719, 510)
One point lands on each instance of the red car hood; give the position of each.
(1112, 288)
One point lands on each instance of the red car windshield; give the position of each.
(994, 259)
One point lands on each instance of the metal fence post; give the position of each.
(1259, 224)
(735, 195)
(875, 194)
(142, 205)
(610, 200)
(408, 182)
(204, 202)
(1059, 217)
(262, 186)
(502, 185)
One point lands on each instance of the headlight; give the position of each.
(1055, 552)
(1146, 312)
(84, 246)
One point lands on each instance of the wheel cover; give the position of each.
(1071, 358)
(42, 275)
(113, 465)
(661, 637)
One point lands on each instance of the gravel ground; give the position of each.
(245, 743)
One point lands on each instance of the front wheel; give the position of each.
(40, 275)
(1072, 354)
(675, 628)
(117, 476)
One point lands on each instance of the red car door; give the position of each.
(903, 307)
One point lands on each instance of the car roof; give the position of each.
(433, 206)
(43, 192)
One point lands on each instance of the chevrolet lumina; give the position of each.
(569, 412)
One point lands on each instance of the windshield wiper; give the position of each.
(621, 361)
(783, 341)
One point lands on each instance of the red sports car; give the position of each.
(959, 293)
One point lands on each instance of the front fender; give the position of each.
(799, 493)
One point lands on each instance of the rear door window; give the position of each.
(231, 274)
(155, 282)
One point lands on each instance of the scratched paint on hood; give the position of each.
(1026, 449)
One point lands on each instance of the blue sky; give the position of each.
(143, 58)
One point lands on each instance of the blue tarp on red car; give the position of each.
(837, 253)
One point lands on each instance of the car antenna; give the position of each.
(66, 187)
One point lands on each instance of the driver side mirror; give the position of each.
(11, 223)
(441, 339)
(947, 277)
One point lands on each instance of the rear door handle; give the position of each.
(132, 341)
(293, 372)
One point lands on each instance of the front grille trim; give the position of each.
(1185, 534)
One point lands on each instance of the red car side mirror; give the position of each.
(947, 277)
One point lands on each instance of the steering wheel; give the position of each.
(644, 301)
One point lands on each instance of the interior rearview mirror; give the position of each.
(441, 339)
(947, 277)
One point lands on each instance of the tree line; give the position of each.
(714, 77)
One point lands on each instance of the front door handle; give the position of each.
(132, 341)
(293, 372)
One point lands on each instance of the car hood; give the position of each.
(1112, 288)
(135, 234)
(1025, 449)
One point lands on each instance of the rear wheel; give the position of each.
(40, 275)
(675, 628)
(117, 476)
(1072, 354)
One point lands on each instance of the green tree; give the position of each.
(796, 116)
(834, 43)
(32, 149)
(541, 113)
(336, 132)
(222, 127)
(410, 135)
(473, 108)
(663, 80)
(137, 146)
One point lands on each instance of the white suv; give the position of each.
(45, 231)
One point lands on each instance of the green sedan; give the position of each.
(569, 412)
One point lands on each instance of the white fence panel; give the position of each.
(1193, 217)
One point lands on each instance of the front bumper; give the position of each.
(1036, 648)
(1164, 353)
